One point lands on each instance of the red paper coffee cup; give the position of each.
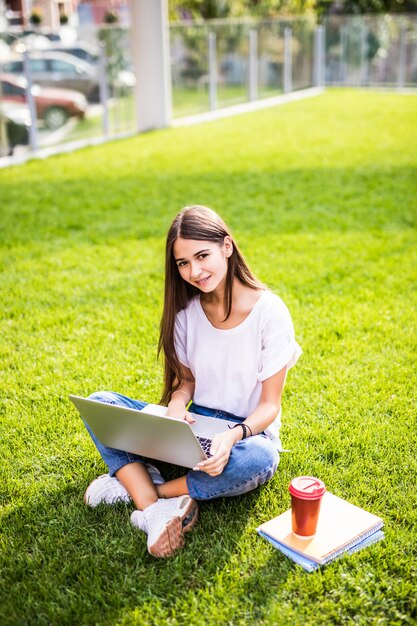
(306, 494)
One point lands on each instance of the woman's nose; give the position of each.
(195, 270)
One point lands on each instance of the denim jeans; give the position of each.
(252, 461)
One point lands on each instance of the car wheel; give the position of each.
(55, 117)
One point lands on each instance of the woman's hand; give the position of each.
(178, 410)
(221, 448)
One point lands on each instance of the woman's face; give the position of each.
(203, 264)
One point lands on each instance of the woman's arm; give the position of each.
(264, 414)
(269, 404)
(180, 398)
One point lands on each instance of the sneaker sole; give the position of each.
(171, 539)
(190, 516)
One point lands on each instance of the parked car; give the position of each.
(122, 78)
(4, 49)
(14, 127)
(53, 105)
(33, 40)
(64, 70)
(85, 51)
(59, 69)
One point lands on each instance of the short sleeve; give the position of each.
(180, 334)
(279, 347)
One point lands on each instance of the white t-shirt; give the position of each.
(229, 366)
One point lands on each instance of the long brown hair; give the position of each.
(202, 224)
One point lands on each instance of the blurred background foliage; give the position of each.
(216, 9)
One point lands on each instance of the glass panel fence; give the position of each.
(189, 69)
(302, 54)
(76, 90)
(225, 63)
(371, 51)
(232, 63)
(82, 87)
(270, 58)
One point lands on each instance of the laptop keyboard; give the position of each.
(205, 444)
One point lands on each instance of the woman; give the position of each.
(228, 343)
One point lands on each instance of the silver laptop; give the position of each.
(150, 433)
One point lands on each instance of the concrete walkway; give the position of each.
(247, 107)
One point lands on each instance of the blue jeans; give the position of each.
(252, 461)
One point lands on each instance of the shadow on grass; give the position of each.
(67, 564)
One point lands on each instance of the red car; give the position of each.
(53, 105)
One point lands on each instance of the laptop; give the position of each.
(150, 433)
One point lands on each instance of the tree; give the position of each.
(212, 9)
(215, 9)
(358, 7)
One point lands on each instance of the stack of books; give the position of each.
(343, 528)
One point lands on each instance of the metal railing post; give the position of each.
(287, 60)
(343, 51)
(413, 36)
(319, 76)
(33, 130)
(104, 89)
(316, 70)
(364, 74)
(253, 65)
(212, 73)
(401, 58)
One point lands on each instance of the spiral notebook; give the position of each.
(342, 528)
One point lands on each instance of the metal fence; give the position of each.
(55, 92)
(371, 51)
(225, 63)
(213, 65)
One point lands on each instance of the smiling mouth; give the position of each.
(203, 281)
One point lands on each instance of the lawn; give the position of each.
(121, 110)
(322, 197)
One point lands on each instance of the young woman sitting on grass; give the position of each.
(228, 343)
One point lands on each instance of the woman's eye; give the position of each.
(202, 256)
(181, 263)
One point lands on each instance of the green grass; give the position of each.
(121, 119)
(186, 101)
(191, 100)
(322, 196)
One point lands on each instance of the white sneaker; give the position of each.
(165, 522)
(108, 489)
(105, 489)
